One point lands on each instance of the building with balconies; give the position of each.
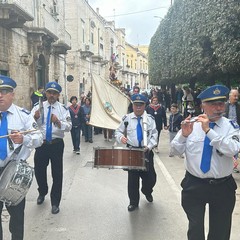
(33, 44)
(94, 41)
(135, 71)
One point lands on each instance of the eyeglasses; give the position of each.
(5, 91)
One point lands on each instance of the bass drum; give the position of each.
(15, 182)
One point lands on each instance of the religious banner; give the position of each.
(109, 104)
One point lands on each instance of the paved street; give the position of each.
(94, 203)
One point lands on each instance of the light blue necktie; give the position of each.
(49, 126)
(3, 131)
(139, 132)
(207, 152)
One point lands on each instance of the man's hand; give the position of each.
(16, 137)
(205, 122)
(146, 149)
(37, 115)
(187, 126)
(55, 120)
(124, 140)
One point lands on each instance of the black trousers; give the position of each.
(75, 134)
(16, 224)
(148, 181)
(44, 154)
(221, 198)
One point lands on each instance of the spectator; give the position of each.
(233, 112)
(88, 131)
(77, 117)
(175, 120)
(36, 95)
(159, 114)
(187, 98)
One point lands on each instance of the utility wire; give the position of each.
(125, 14)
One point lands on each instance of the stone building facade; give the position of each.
(64, 41)
(33, 44)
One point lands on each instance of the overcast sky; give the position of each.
(136, 16)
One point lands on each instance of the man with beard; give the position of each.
(209, 144)
(55, 122)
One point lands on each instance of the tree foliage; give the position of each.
(196, 40)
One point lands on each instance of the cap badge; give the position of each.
(1, 81)
(216, 91)
(53, 85)
(138, 98)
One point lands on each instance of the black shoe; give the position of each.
(55, 209)
(149, 198)
(91, 141)
(40, 199)
(131, 207)
(86, 140)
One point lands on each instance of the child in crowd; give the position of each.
(175, 120)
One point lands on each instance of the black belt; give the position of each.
(55, 140)
(212, 181)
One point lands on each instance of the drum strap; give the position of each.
(16, 152)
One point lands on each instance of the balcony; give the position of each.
(45, 26)
(15, 13)
(125, 71)
(63, 44)
(143, 72)
(97, 58)
(104, 62)
(86, 51)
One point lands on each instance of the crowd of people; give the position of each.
(203, 129)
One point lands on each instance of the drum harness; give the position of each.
(15, 153)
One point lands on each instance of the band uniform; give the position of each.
(148, 177)
(53, 150)
(18, 120)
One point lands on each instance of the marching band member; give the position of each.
(56, 121)
(133, 124)
(17, 146)
(209, 144)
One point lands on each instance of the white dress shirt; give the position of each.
(21, 120)
(63, 115)
(132, 120)
(224, 138)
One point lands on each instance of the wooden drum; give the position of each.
(118, 157)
